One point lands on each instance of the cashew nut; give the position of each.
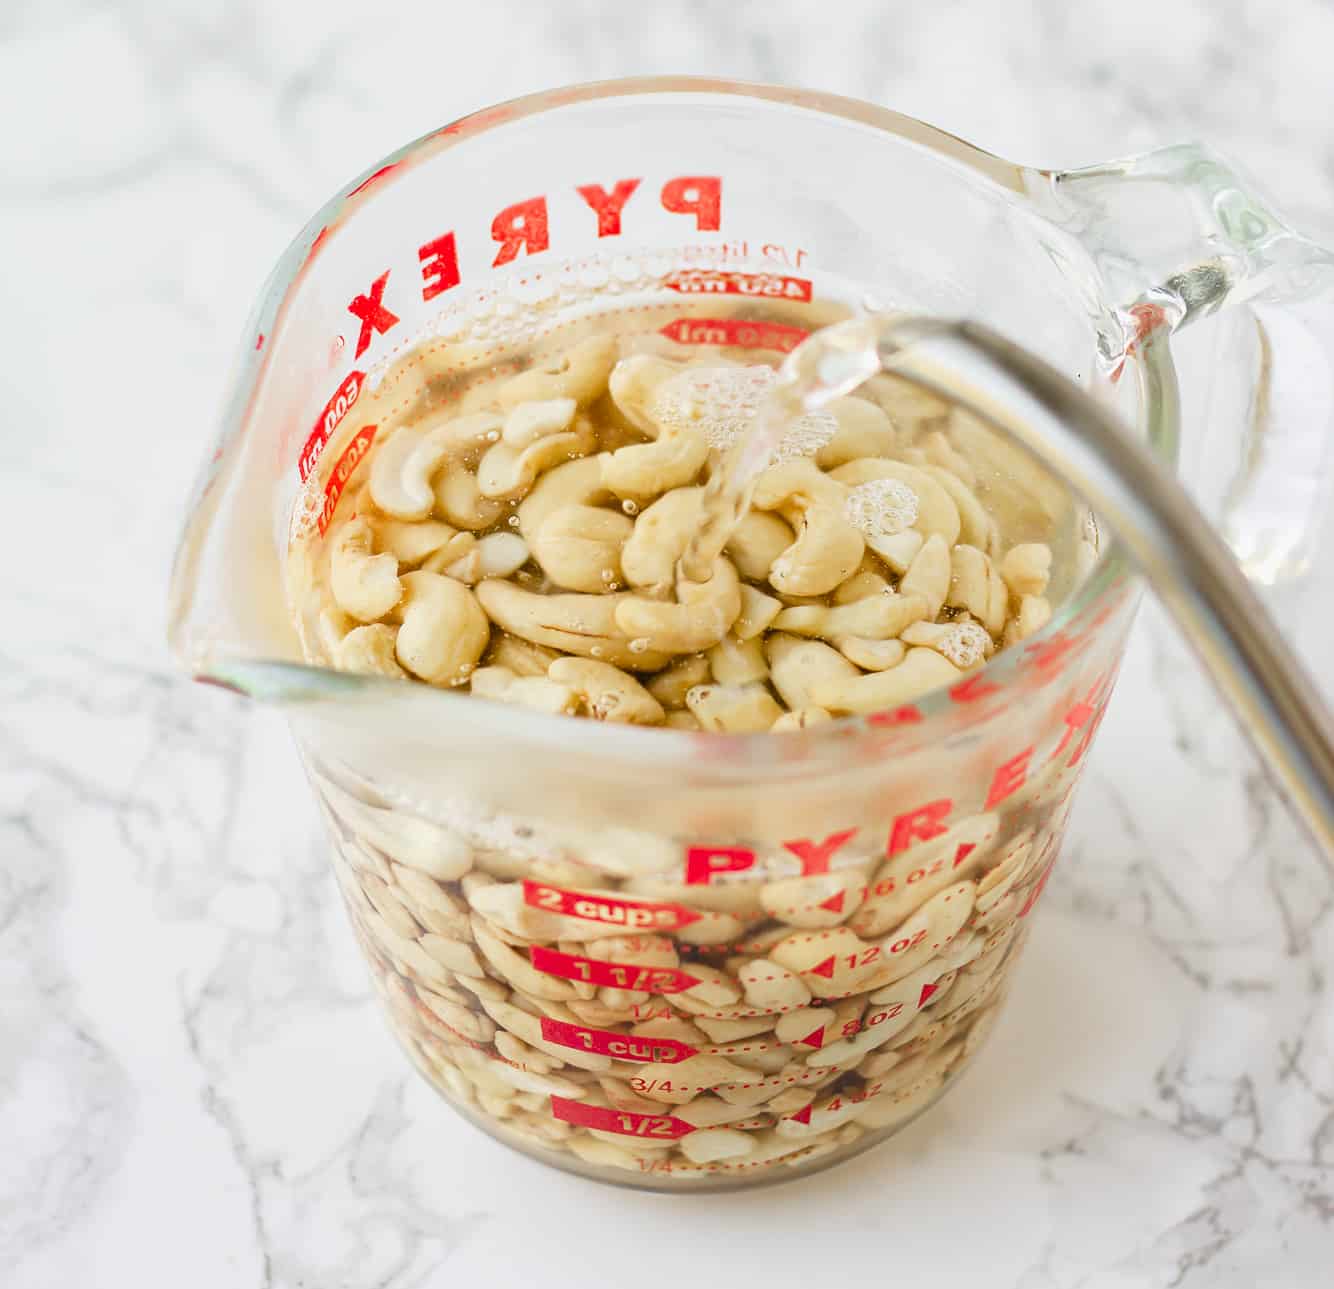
(537, 692)
(976, 586)
(939, 451)
(536, 437)
(1034, 614)
(671, 685)
(737, 662)
(733, 709)
(580, 624)
(459, 498)
(797, 668)
(921, 670)
(682, 720)
(863, 431)
(898, 550)
(757, 612)
(801, 719)
(678, 451)
(936, 511)
(877, 617)
(365, 585)
(411, 543)
(701, 615)
(828, 548)
(871, 655)
(404, 465)
(369, 650)
(608, 693)
(756, 542)
(444, 630)
(521, 656)
(579, 547)
(661, 534)
(461, 544)
(580, 373)
(577, 483)
(1026, 568)
(928, 575)
(976, 527)
(860, 586)
(495, 555)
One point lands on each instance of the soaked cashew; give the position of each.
(899, 549)
(976, 586)
(756, 542)
(1026, 568)
(737, 662)
(920, 671)
(800, 719)
(579, 624)
(576, 483)
(863, 431)
(520, 656)
(757, 612)
(579, 373)
(459, 498)
(402, 468)
(939, 451)
(733, 709)
(411, 543)
(537, 692)
(827, 548)
(443, 631)
(699, 618)
(797, 668)
(678, 451)
(976, 527)
(859, 586)
(495, 555)
(871, 655)
(365, 585)
(579, 547)
(536, 437)
(608, 693)
(461, 544)
(1034, 614)
(661, 534)
(671, 685)
(936, 511)
(369, 650)
(928, 576)
(877, 617)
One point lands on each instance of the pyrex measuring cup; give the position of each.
(686, 961)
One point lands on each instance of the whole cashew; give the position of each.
(1026, 568)
(411, 543)
(757, 612)
(737, 662)
(444, 630)
(702, 614)
(921, 670)
(678, 451)
(660, 537)
(577, 483)
(579, 547)
(580, 624)
(828, 548)
(976, 527)
(863, 431)
(877, 617)
(519, 656)
(733, 709)
(608, 693)
(800, 719)
(536, 437)
(495, 555)
(929, 575)
(1034, 614)
(459, 498)
(537, 692)
(798, 668)
(871, 655)
(936, 511)
(365, 585)
(671, 685)
(899, 549)
(976, 586)
(941, 452)
(756, 542)
(369, 650)
(403, 466)
(579, 372)
(860, 586)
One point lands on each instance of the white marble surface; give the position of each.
(194, 1086)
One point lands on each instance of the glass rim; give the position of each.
(819, 748)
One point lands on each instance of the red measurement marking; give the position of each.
(616, 975)
(1036, 893)
(814, 1039)
(927, 991)
(825, 968)
(965, 849)
(327, 422)
(640, 915)
(374, 178)
(620, 1047)
(627, 1123)
(719, 282)
(735, 331)
(834, 903)
(352, 457)
(803, 1115)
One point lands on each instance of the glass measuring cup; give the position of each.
(548, 906)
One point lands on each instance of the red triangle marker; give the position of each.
(927, 991)
(803, 1115)
(814, 1039)
(965, 849)
(825, 968)
(834, 903)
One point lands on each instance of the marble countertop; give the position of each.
(195, 1087)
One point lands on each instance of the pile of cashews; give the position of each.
(524, 541)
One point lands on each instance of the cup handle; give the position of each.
(1177, 235)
